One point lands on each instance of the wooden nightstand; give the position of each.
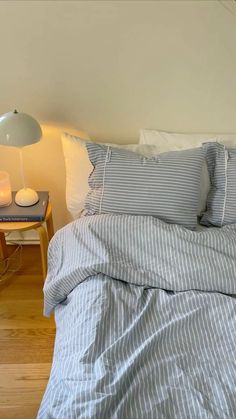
(44, 236)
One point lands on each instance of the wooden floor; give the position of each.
(26, 340)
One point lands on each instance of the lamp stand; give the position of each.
(25, 197)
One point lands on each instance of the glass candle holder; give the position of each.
(5, 190)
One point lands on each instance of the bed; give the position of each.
(145, 314)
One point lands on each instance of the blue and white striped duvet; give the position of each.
(146, 325)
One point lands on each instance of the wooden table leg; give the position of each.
(3, 246)
(50, 228)
(43, 247)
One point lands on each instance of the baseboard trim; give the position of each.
(22, 242)
(22, 237)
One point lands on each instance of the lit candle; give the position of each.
(5, 190)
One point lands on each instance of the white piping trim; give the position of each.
(226, 185)
(107, 158)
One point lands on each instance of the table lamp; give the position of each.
(19, 130)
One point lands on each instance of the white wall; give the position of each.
(110, 68)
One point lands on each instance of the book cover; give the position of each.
(35, 212)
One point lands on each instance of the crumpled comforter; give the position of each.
(146, 320)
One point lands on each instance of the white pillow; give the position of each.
(78, 168)
(170, 141)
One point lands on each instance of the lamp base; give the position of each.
(26, 197)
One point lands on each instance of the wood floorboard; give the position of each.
(23, 314)
(32, 289)
(31, 345)
(21, 392)
(26, 340)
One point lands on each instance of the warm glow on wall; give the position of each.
(44, 167)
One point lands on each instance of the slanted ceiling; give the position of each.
(113, 67)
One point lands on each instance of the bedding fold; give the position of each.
(140, 250)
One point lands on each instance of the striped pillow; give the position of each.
(221, 201)
(165, 186)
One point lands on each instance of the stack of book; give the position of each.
(35, 212)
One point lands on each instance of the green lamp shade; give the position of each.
(19, 129)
